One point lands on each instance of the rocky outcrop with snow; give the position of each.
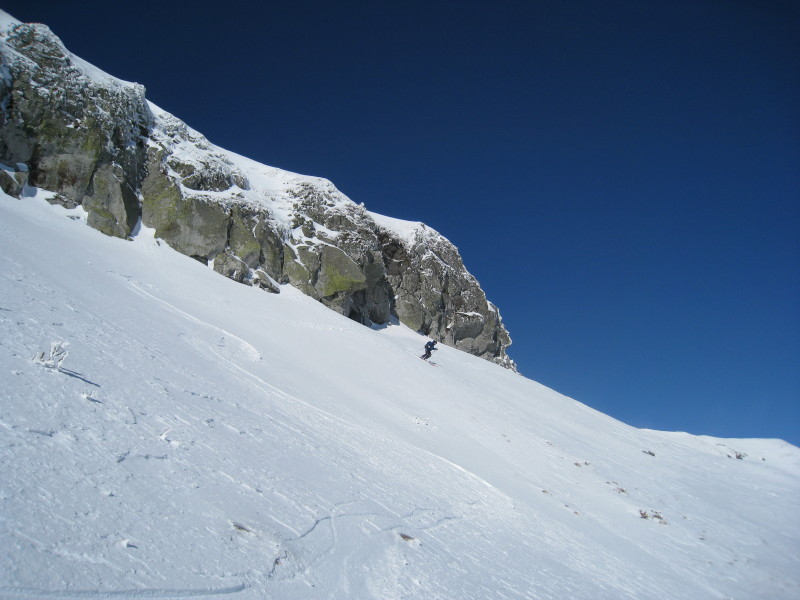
(71, 128)
(96, 141)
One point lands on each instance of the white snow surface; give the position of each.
(406, 231)
(7, 21)
(203, 439)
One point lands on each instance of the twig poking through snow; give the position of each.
(58, 353)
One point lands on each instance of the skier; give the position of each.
(429, 347)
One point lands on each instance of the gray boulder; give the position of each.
(111, 203)
(231, 266)
(190, 224)
(12, 182)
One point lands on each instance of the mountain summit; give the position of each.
(96, 142)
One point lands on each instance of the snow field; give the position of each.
(204, 438)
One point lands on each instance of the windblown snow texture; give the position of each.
(192, 437)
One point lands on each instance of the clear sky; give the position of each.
(622, 177)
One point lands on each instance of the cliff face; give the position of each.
(97, 142)
(79, 135)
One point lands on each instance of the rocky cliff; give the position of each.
(96, 141)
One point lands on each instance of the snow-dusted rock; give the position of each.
(96, 142)
(69, 123)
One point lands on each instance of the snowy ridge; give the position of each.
(88, 70)
(407, 231)
(268, 185)
(6, 21)
(265, 187)
(99, 76)
(202, 438)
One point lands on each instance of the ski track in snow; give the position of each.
(330, 424)
(156, 594)
(252, 353)
(245, 349)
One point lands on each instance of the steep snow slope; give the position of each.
(204, 438)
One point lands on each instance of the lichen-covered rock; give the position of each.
(271, 243)
(242, 237)
(95, 141)
(295, 270)
(68, 127)
(112, 205)
(338, 273)
(12, 182)
(376, 300)
(210, 174)
(191, 225)
(263, 281)
(230, 266)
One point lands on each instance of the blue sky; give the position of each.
(622, 177)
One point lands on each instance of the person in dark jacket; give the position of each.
(429, 348)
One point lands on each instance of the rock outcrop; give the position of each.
(97, 142)
(80, 136)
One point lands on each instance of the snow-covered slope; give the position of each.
(203, 438)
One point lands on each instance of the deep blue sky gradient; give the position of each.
(622, 177)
